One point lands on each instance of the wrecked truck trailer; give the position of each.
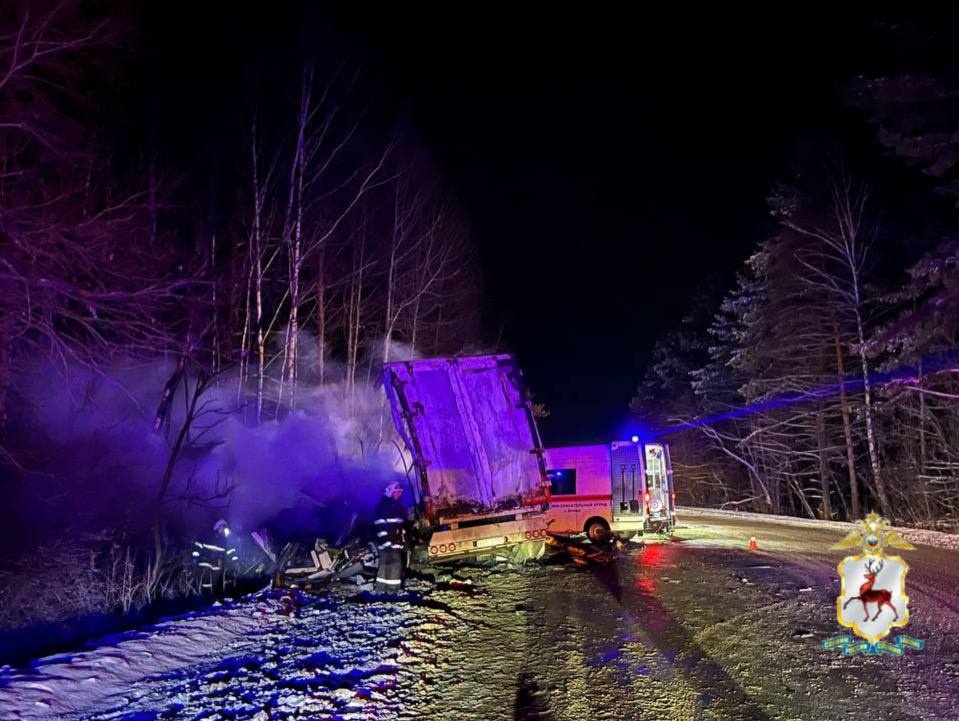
(480, 482)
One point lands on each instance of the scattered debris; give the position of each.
(312, 569)
(287, 605)
(584, 552)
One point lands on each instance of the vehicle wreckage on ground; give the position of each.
(482, 484)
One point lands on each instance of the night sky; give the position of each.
(608, 167)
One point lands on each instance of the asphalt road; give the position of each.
(694, 627)
(701, 627)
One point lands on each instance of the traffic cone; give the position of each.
(753, 544)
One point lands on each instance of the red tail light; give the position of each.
(647, 496)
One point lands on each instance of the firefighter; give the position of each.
(216, 562)
(389, 519)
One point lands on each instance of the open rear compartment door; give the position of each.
(658, 485)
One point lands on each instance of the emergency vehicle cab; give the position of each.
(625, 487)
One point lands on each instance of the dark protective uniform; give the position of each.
(389, 518)
(216, 563)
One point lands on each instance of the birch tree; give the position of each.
(835, 264)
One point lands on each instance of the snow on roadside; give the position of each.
(69, 684)
(935, 539)
(346, 654)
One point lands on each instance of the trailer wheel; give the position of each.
(597, 530)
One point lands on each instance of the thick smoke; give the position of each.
(91, 461)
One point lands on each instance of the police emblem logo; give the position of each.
(872, 599)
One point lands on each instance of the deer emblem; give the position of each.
(872, 537)
(868, 594)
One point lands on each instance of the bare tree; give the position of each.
(80, 280)
(835, 265)
(201, 416)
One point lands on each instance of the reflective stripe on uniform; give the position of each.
(383, 533)
(211, 547)
(387, 520)
(384, 545)
(389, 581)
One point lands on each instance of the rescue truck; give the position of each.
(477, 475)
(625, 487)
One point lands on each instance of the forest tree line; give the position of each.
(825, 383)
(325, 245)
(335, 245)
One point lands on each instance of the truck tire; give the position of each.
(597, 530)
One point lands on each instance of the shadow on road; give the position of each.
(608, 578)
(649, 622)
(531, 702)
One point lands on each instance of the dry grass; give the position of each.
(84, 575)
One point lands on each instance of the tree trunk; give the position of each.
(214, 300)
(414, 326)
(321, 314)
(921, 465)
(846, 427)
(826, 508)
(245, 334)
(257, 270)
(884, 505)
(5, 360)
(354, 317)
(391, 277)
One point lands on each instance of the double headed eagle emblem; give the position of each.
(871, 536)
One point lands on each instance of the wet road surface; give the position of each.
(696, 627)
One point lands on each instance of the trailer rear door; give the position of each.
(468, 425)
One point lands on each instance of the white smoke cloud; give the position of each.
(86, 439)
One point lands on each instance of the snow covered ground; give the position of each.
(697, 628)
(922, 536)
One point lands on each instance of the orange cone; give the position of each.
(753, 544)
